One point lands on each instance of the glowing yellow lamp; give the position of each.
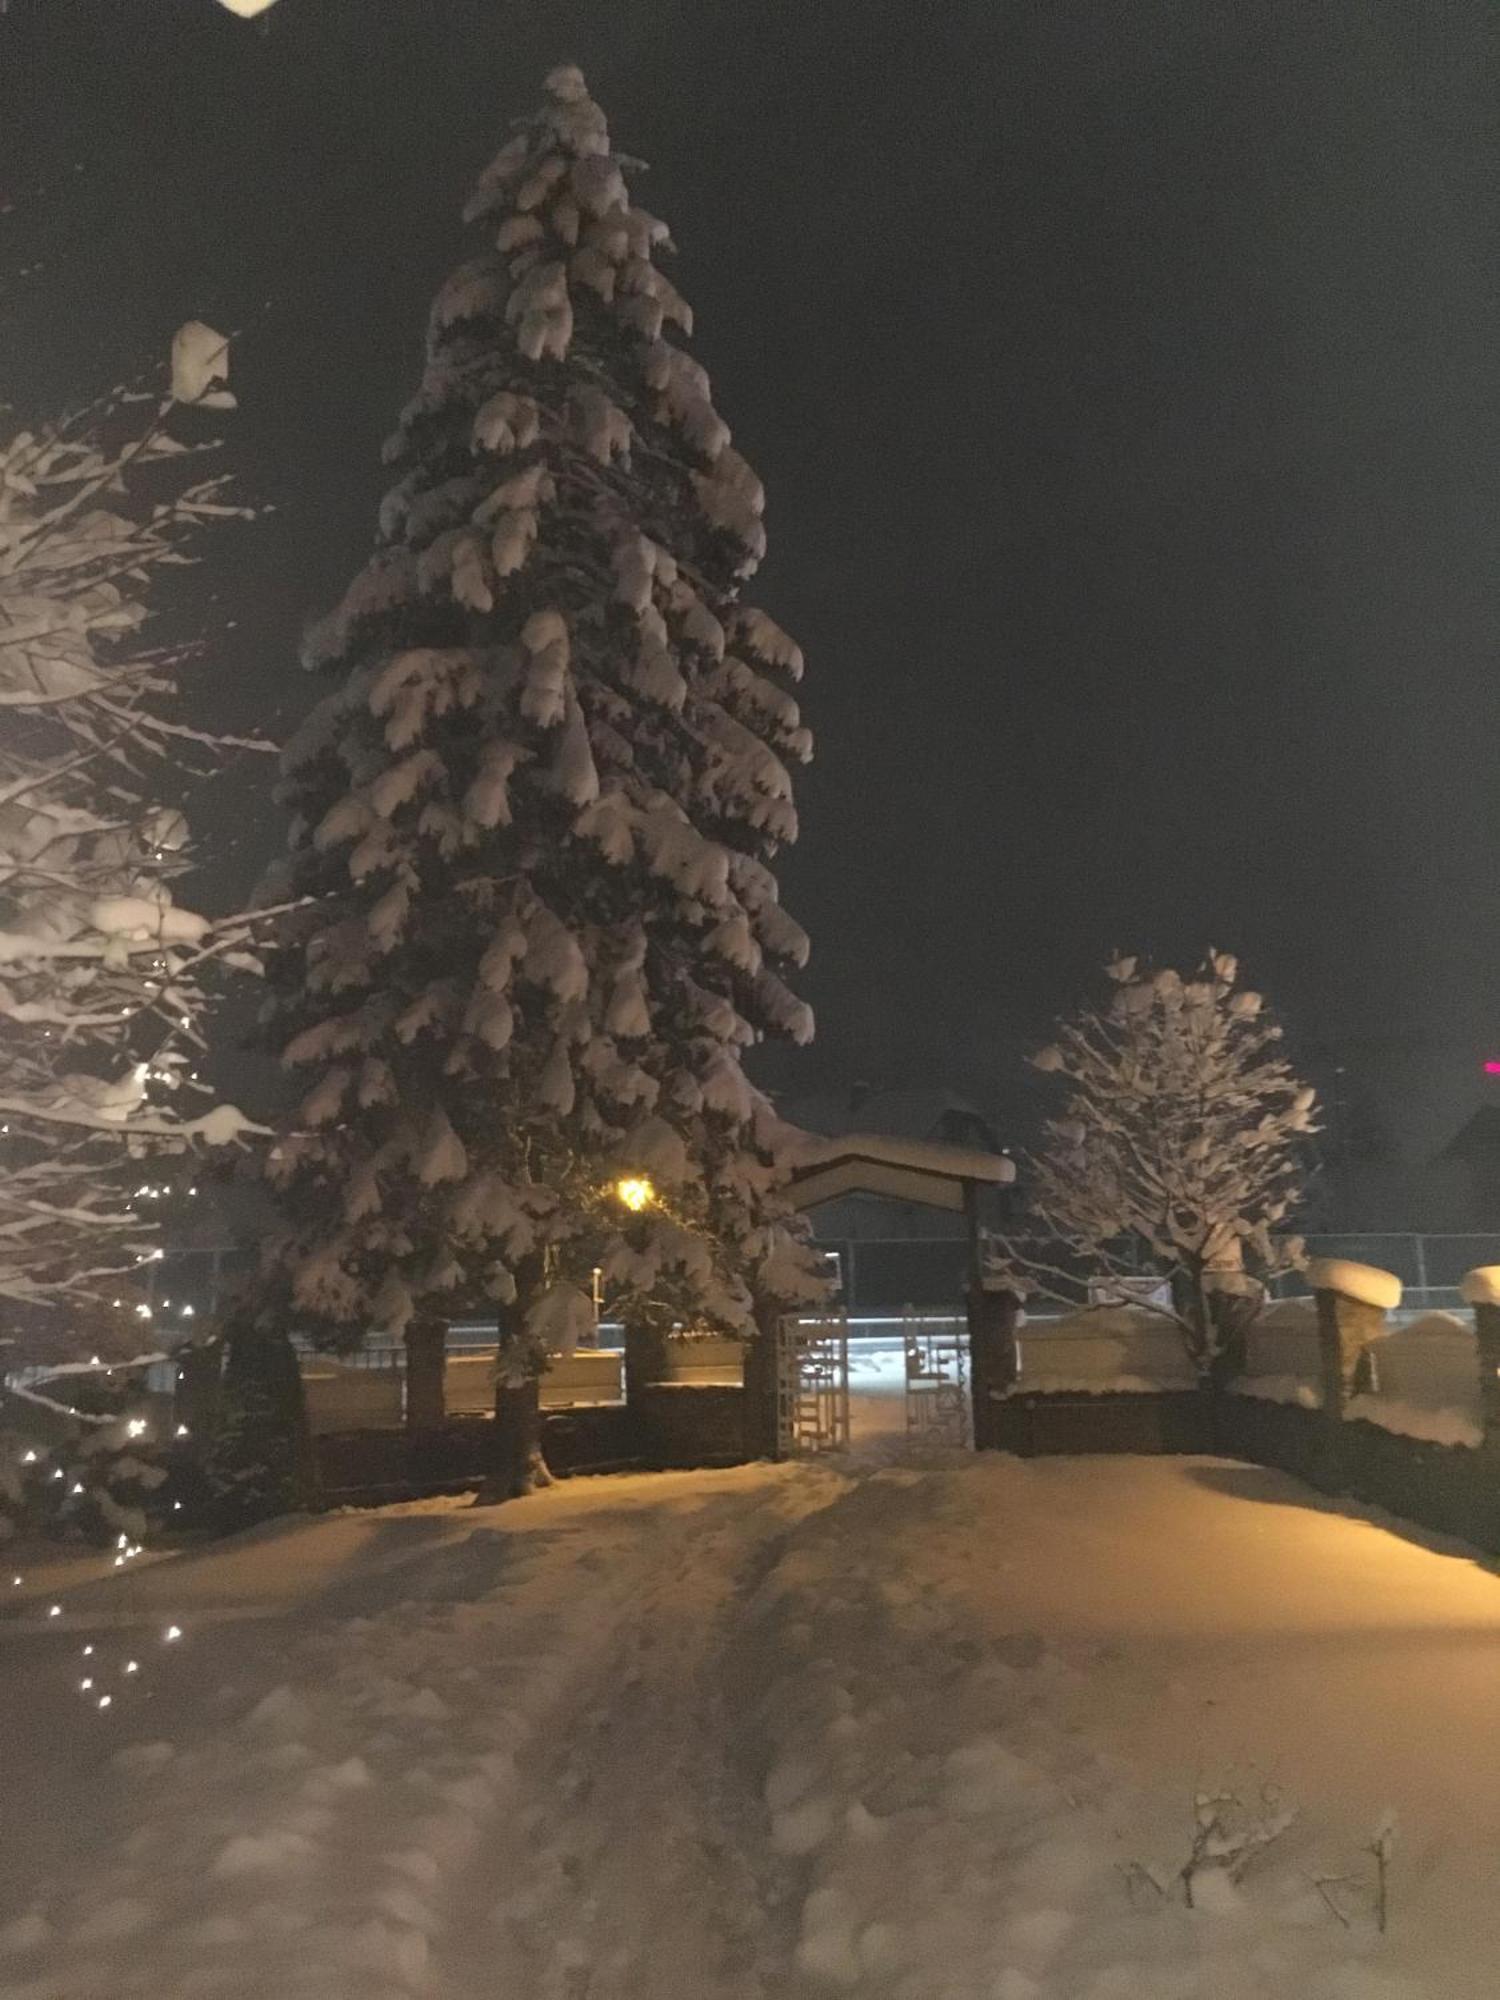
(246, 9)
(635, 1192)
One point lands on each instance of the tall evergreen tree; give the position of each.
(537, 818)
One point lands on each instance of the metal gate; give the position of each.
(812, 1385)
(937, 1381)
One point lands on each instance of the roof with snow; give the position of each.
(904, 1169)
(937, 1115)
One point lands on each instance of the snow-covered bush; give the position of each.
(101, 970)
(1178, 1150)
(536, 815)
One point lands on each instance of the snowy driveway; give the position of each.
(928, 1732)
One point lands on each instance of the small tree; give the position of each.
(1178, 1151)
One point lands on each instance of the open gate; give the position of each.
(812, 1385)
(937, 1381)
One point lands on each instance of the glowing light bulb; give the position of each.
(172, 1632)
(105, 1700)
(54, 1611)
(181, 1431)
(87, 1682)
(16, 1582)
(635, 1192)
(136, 1427)
(132, 1666)
(28, 1458)
(88, 1652)
(76, 1487)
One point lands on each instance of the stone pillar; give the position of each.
(645, 1357)
(1353, 1300)
(762, 1354)
(994, 1313)
(426, 1342)
(1481, 1290)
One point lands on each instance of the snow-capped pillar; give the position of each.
(1353, 1300)
(994, 1309)
(1481, 1290)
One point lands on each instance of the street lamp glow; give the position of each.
(635, 1192)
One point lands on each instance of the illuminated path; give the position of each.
(890, 1729)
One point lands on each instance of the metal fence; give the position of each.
(885, 1275)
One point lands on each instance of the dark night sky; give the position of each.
(1121, 375)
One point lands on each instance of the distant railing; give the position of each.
(884, 1275)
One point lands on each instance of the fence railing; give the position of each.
(886, 1274)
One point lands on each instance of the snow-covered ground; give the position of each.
(922, 1730)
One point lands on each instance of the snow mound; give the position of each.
(1365, 1282)
(1280, 1389)
(1481, 1286)
(1417, 1420)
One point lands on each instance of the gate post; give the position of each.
(1481, 1290)
(994, 1313)
(1353, 1300)
(763, 1437)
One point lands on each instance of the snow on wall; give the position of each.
(1283, 1343)
(1434, 1363)
(1413, 1420)
(1365, 1282)
(1280, 1389)
(1116, 1348)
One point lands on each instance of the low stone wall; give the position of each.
(1038, 1424)
(674, 1426)
(1449, 1489)
(689, 1424)
(377, 1465)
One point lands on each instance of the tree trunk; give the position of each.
(518, 1464)
(199, 1390)
(262, 1461)
(1190, 1300)
(1233, 1315)
(426, 1365)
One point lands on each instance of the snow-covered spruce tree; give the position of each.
(1179, 1149)
(101, 971)
(538, 817)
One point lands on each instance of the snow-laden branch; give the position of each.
(102, 970)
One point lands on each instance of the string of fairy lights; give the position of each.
(100, 1676)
